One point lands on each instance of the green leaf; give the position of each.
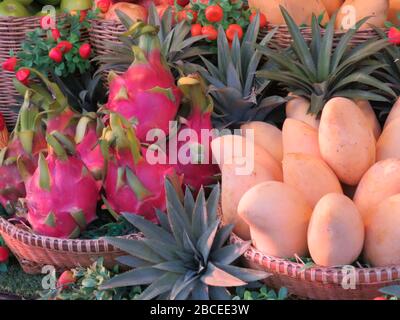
(206, 240)
(248, 275)
(217, 277)
(135, 248)
(213, 204)
(138, 276)
(324, 57)
(149, 229)
(299, 44)
(229, 254)
(44, 174)
(391, 291)
(136, 185)
(164, 284)
(200, 216)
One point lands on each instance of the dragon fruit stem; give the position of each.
(194, 90)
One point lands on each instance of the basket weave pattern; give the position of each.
(282, 38)
(104, 33)
(12, 34)
(35, 251)
(318, 282)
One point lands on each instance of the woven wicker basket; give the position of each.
(104, 32)
(282, 38)
(104, 35)
(12, 34)
(317, 282)
(35, 251)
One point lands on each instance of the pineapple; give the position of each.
(238, 96)
(186, 256)
(176, 43)
(313, 75)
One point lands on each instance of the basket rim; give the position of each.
(281, 266)
(371, 29)
(58, 244)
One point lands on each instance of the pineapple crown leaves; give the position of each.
(233, 82)
(176, 42)
(315, 73)
(186, 256)
(84, 93)
(390, 72)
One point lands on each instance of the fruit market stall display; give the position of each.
(315, 214)
(350, 11)
(332, 200)
(19, 18)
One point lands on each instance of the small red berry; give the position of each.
(214, 13)
(64, 46)
(55, 33)
(56, 55)
(10, 64)
(394, 35)
(3, 254)
(232, 30)
(196, 30)
(85, 51)
(263, 19)
(183, 3)
(210, 32)
(47, 23)
(22, 75)
(66, 279)
(103, 5)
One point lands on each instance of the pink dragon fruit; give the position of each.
(88, 147)
(146, 93)
(199, 171)
(61, 195)
(21, 154)
(132, 184)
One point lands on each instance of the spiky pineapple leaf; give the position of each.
(136, 248)
(161, 285)
(300, 45)
(204, 244)
(247, 275)
(222, 236)
(183, 286)
(230, 253)
(218, 277)
(200, 216)
(148, 228)
(138, 276)
(133, 262)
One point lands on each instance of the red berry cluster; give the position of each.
(56, 54)
(63, 46)
(207, 15)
